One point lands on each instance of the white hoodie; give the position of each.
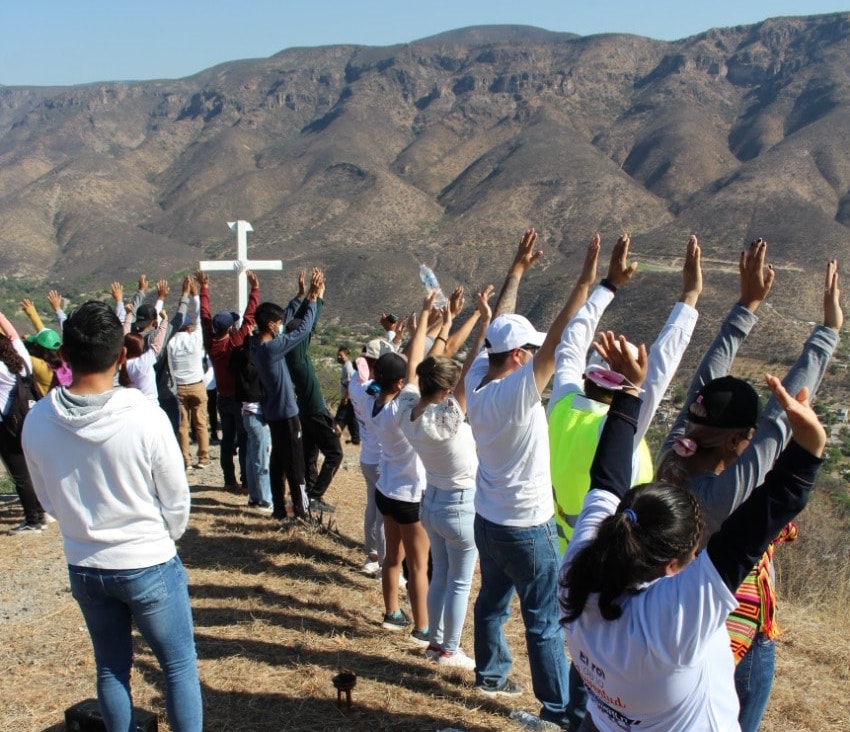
(112, 475)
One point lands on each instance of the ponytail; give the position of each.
(654, 524)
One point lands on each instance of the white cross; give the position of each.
(241, 264)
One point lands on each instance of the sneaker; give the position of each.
(317, 504)
(202, 464)
(25, 528)
(507, 688)
(263, 507)
(420, 636)
(395, 621)
(432, 652)
(371, 567)
(458, 659)
(46, 520)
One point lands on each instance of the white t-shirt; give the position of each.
(442, 439)
(402, 475)
(186, 357)
(370, 445)
(514, 486)
(142, 375)
(666, 663)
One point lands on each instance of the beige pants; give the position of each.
(193, 406)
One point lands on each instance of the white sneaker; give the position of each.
(458, 659)
(371, 567)
(432, 653)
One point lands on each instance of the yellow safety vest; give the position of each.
(573, 437)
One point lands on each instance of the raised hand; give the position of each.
(591, 259)
(620, 358)
(116, 289)
(692, 272)
(128, 308)
(482, 301)
(619, 269)
(317, 284)
(301, 288)
(187, 286)
(27, 304)
(806, 429)
(833, 316)
(55, 299)
(756, 279)
(526, 255)
(193, 287)
(162, 289)
(202, 278)
(457, 301)
(253, 280)
(143, 283)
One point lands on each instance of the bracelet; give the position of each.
(609, 285)
(440, 338)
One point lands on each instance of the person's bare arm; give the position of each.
(438, 347)
(619, 270)
(524, 260)
(416, 347)
(485, 315)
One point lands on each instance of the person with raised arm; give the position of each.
(317, 424)
(582, 389)
(269, 347)
(514, 516)
(221, 338)
(643, 614)
(16, 364)
(721, 447)
(431, 414)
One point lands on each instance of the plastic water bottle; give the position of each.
(526, 720)
(429, 279)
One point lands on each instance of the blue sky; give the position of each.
(47, 42)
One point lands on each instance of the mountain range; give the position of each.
(370, 160)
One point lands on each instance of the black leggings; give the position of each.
(16, 464)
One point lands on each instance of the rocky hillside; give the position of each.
(368, 160)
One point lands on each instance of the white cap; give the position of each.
(512, 331)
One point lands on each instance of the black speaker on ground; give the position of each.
(85, 717)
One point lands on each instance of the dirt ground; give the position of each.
(279, 613)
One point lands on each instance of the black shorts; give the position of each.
(402, 512)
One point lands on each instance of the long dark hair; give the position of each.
(10, 357)
(654, 523)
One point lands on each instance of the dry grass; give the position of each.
(279, 613)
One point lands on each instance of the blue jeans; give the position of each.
(753, 682)
(157, 600)
(525, 560)
(448, 517)
(257, 451)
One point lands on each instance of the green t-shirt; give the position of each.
(308, 391)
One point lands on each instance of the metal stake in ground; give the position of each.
(241, 264)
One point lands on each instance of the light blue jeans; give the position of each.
(448, 517)
(258, 450)
(157, 600)
(525, 560)
(373, 523)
